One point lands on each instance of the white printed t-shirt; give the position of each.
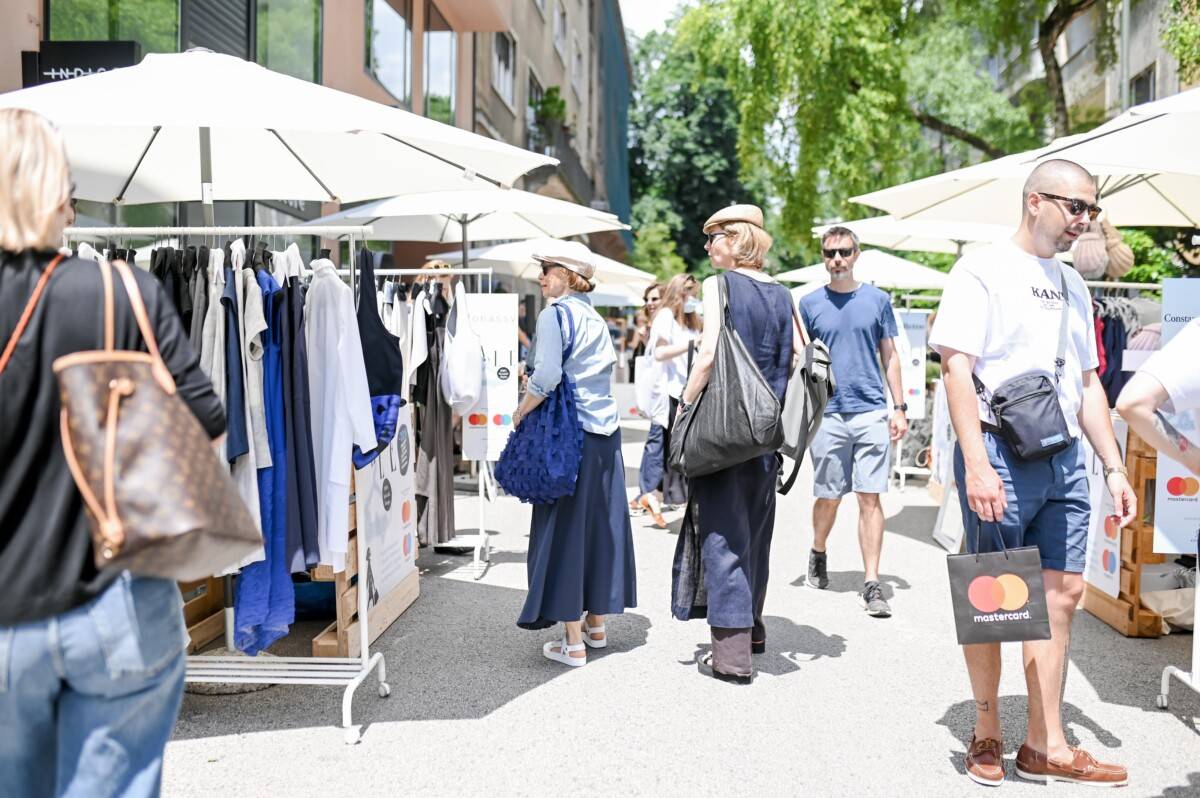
(1003, 306)
(1174, 367)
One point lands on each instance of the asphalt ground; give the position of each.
(843, 704)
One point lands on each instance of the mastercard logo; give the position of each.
(500, 420)
(1183, 486)
(1112, 529)
(477, 420)
(1110, 562)
(1005, 592)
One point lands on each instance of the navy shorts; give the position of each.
(1049, 505)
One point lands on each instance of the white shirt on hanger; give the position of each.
(418, 344)
(287, 264)
(341, 403)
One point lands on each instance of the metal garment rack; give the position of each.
(347, 672)
(481, 545)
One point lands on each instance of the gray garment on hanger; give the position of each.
(200, 281)
(435, 456)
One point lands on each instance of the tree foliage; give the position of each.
(1181, 35)
(654, 229)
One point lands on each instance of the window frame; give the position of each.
(560, 45)
(1150, 72)
(540, 5)
(578, 67)
(368, 69)
(430, 5)
(510, 103)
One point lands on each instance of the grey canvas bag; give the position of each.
(808, 392)
(736, 418)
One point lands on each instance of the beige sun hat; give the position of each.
(571, 255)
(751, 214)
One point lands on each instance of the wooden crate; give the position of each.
(1124, 616)
(203, 611)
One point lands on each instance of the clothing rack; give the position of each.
(347, 672)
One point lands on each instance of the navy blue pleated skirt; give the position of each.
(581, 546)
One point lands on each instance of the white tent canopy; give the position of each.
(515, 259)
(483, 214)
(920, 235)
(877, 268)
(199, 126)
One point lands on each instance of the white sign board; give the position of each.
(941, 444)
(1102, 569)
(487, 425)
(1177, 491)
(912, 362)
(386, 501)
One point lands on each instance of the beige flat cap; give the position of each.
(570, 255)
(751, 214)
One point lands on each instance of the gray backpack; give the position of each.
(808, 392)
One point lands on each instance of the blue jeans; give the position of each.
(88, 698)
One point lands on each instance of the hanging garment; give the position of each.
(212, 344)
(303, 551)
(435, 451)
(1113, 378)
(462, 371)
(1147, 338)
(237, 440)
(287, 264)
(1100, 351)
(188, 271)
(200, 282)
(255, 326)
(385, 364)
(342, 420)
(418, 344)
(265, 601)
(245, 333)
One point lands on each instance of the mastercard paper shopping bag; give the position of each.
(998, 596)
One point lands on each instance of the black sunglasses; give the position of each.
(1077, 207)
(714, 236)
(845, 252)
(546, 267)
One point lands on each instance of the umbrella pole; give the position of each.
(466, 240)
(206, 191)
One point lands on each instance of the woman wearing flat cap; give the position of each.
(580, 557)
(731, 513)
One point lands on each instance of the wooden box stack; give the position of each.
(203, 611)
(1126, 613)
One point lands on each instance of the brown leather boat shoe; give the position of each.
(1081, 769)
(985, 762)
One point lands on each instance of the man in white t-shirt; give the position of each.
(1169, 381)
(1000, 317)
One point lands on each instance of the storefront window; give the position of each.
(389, 46)
(440, 58)
(289, 37)
(504, 67)
(153, 24)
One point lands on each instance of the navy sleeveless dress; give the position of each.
(723, 554)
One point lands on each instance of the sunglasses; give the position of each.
(845, 252)
(546, 267)
(714, 236)
(1077, 207)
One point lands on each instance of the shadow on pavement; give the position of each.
(915, 523)
(852, 582)
(789, 647)
(1191, 789)
(959, 719)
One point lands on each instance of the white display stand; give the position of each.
(344, 672)
(912, 347)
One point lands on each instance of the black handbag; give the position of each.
(737, 416)
(1028, 414)
(999, 596)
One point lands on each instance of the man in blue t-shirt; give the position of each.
(852, 448)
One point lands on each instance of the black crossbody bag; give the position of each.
(1028, 414)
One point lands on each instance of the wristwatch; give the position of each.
(1110, 470)
(902, 406)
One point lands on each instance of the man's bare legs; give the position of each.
(870, 533)
(824, 514)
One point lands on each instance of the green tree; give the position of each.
(1181, 35)
(654, 227)
(683, 143)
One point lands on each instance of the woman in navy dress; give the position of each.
(722, 559)
(581, 546)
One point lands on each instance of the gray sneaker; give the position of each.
(818, 575)
(871, 599)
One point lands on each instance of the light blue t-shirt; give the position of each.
(852, 325)
(590, 364)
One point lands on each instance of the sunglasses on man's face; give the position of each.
(1076, 207)
(830, 254)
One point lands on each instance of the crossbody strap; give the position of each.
(27, 314)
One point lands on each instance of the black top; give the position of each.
(46, 561)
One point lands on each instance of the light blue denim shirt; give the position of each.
(589, 365)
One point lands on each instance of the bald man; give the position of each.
(1001, 317)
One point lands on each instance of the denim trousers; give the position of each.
(88, 698)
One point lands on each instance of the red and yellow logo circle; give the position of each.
(1183, 486)
(1005, 592)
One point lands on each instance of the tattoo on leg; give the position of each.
(983, 706)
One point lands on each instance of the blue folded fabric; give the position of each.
(386, 410)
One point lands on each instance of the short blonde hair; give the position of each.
(750, 244)
(35, 181)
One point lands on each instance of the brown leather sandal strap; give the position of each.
(27, 314)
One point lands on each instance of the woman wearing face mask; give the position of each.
(732, 514)
(580, 556)
(673, 331)
(652, 297)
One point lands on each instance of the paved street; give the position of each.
(844, 704)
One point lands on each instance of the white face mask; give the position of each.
(692, 305)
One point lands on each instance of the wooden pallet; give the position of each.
(203, 611)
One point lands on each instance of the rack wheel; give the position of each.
(385, 689)
(351, 736)
(1161, 700)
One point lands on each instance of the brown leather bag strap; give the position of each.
(109, 317)
(162, 373)
(27, 314)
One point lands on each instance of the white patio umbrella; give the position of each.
(877, 268)
(484, 214)
(515, 259)
(199, 126)
(920, 235)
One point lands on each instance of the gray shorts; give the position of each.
(851, 451)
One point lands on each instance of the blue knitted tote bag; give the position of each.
(540, 462)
